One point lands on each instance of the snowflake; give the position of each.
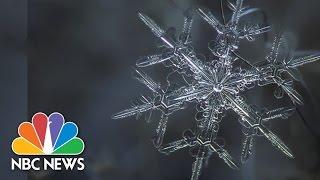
(216, 85)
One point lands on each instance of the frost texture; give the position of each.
(216, 85)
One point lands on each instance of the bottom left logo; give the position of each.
(48, 136)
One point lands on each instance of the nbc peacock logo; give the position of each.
(48, 135)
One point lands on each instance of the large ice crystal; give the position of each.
(216, 85)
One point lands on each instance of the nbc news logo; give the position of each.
(48, 136)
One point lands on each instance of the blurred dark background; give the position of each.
(75, 57)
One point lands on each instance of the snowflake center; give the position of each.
(218, 87)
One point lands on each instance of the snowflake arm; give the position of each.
(236, 13)
(180, 50)
(146, 80)
(303, 60)
(211, 19)
(254, 120)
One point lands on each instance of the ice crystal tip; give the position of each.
(216, 85)
(151, 24)
(207, 16)
(304, 60)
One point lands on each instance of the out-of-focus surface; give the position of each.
(80, 55)
(13, 79)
